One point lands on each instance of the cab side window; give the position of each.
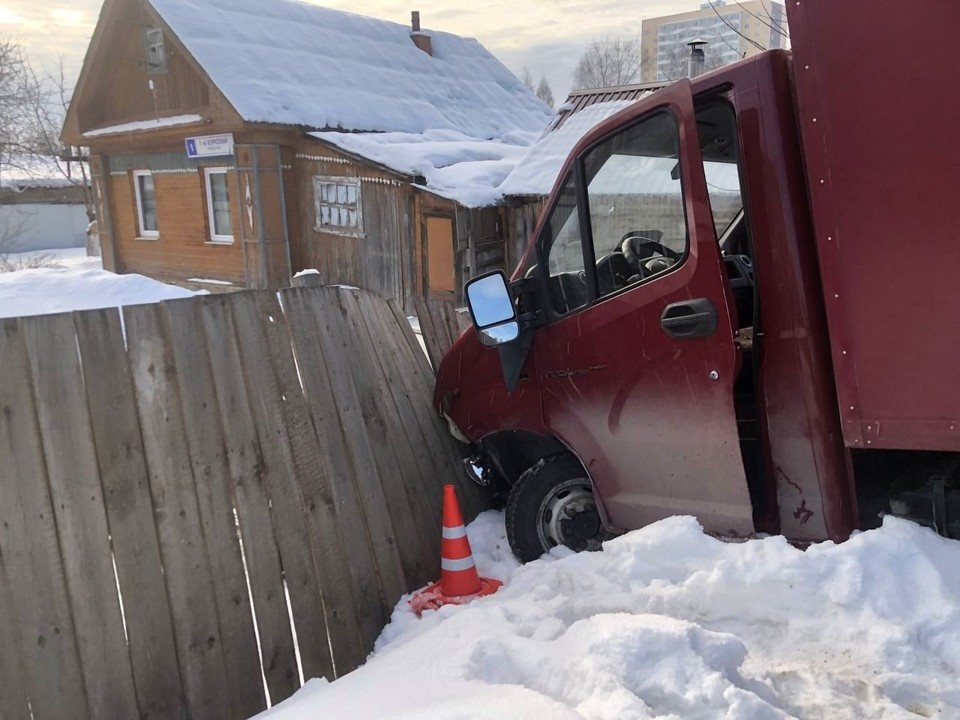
(637, 218)
(563, 252)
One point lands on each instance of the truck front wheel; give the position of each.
(552, 504)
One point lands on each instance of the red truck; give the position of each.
(740, 302)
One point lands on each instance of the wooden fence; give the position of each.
(440, 325)
(169, 474)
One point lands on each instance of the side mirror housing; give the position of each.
(492, 309)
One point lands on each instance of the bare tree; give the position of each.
(32, 108)
(544, 92)
(609, 62)
(526, 77)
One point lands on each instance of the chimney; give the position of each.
(420, 38)
(698, 61)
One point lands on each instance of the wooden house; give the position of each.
(243, 141)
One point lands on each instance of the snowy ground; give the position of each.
(72, 281)
(669, 623)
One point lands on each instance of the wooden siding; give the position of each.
(521, 221)
(183, 249)
(375, 261)
(114, 86)
(263, 217)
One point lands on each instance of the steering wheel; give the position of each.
(613, 273)
(637, 249)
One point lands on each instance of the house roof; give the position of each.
(289, 62)
(537, 172)
(583, 110)
(453, 165)
(581, 99)
(21, 171)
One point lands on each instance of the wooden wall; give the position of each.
(116, 87)
(379, 260)
(183, 249)
(520, 219)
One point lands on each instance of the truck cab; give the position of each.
(665, 346)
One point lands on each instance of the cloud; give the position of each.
(546, 36)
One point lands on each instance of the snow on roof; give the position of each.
(22, 171)
(454, 165)
(537, 172)
(142, 125)
(289, 62)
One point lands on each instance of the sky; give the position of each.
(546, 36)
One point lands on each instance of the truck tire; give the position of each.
(552, 504)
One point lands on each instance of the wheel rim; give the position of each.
(568, 516)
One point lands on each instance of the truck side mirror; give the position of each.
(492, 310)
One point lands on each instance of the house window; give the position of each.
(218, 205)
(146, 204)
(156, 51)
(338, 205)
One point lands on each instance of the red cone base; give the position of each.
(432, 597)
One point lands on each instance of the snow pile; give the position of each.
(295, 63)
(453, 165)
(670, 623)
(76, 283)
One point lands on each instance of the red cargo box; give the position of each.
(879, 111)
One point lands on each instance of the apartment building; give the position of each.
(733, 30)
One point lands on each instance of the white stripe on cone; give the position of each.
(457, 565)
(454, 533)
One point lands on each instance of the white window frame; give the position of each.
(319, 180)
(143, 232)
(214, 237)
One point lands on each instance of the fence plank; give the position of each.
(38, 653)
(422, 357)
(211, 475)
(80, 514)
(429, 331)
(399, 425)
(126, 489)
(391, 451)
(248, 471)
(373, 610)
(418, 386)
(321, 592)
(435, 429)
(15, 705)
(350, 408)
(188, 572)
(399, 367)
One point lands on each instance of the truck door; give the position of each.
(638, 359)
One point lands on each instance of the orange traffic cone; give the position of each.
(459, 581)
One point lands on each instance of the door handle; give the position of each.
(689, 319)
